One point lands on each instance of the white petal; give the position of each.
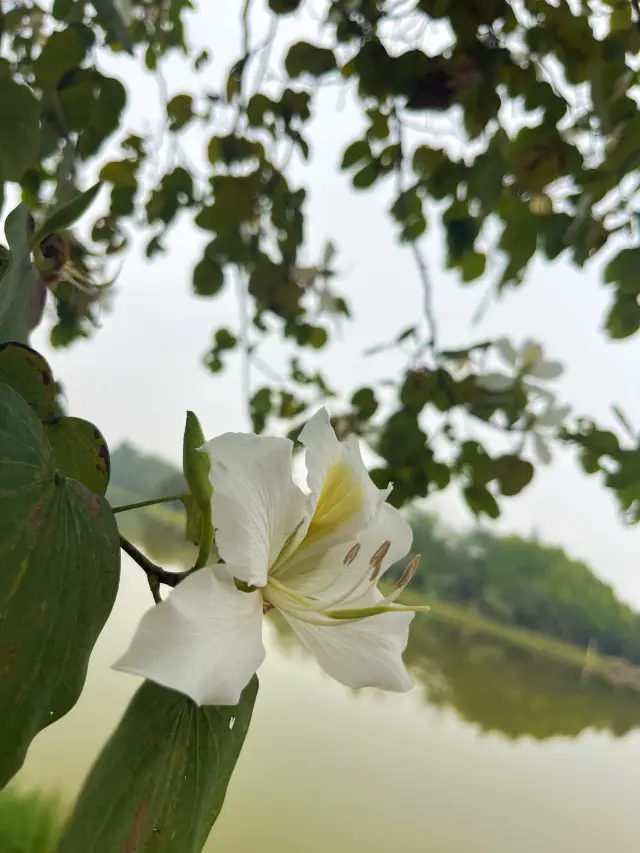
(367, 653)
(343, 495)
(541, 449)
(255, 505)
(203, 640)
(554, 416)
(507, 351)
(495, 382)
(530, 353)
(546, 369)
(330, 577)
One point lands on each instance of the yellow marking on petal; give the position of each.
(340, 501)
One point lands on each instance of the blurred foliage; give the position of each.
(539, 99)
(29, 822)
(523, 582)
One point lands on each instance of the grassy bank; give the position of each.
(614, 670)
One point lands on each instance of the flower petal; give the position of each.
(541, 449)
(367, 653)
(255, 505)
(203, 640)
(554, 416)
(507, 350)
(546, 369)
(343, 497)
(331, 577)
(495, 382)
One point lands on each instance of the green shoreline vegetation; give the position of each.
(517, 590)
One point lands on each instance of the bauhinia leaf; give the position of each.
(59, 573)
(160, 782)
(28, 373)
(80, 452)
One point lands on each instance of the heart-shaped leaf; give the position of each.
(28, 373)
(160, 782)
(59, 573)
(80, 452)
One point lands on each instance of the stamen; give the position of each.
(380, 554)
(352, 553)
(377, 568)
(409, 572)
(266, 607)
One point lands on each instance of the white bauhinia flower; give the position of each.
(316, 558)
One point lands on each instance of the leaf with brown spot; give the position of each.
(80, 452)
(59, 574)
(28, 373)
(160, 781)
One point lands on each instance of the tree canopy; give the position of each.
(511, 122)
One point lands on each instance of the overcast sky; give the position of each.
(137, 376)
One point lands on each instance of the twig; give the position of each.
(150, 502)
(155, 574)
(421, 264)
(245, 370)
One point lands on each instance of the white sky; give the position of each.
(136, 377)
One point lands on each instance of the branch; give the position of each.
(150, 502)
(421, 264)
(155, 574)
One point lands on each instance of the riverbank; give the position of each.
(614, 670)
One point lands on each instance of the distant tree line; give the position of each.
(524, 582)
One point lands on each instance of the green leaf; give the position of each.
(160, 782)
(110, 15)
(310, 59)
(180, 111)
(27, 372)
(624, 271)
(367, 176)
(62, 51)
(208, 277)
(19, 129)
(480, 501)
(60, 565)
(19, 283)
(80, 452)
(513, 474)
(67, 214)
(623, 319)
(283, 7)
(472, 265)
(355, 153)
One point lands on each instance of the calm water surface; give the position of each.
(493, 752)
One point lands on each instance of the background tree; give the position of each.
(544, 162)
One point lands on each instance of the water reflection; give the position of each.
(505, 689)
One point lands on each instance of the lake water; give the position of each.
(494, 751)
